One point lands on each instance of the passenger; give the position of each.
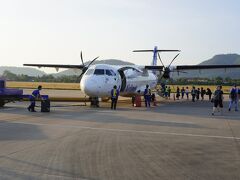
(187, 92)
(169, 92)
(193, 93)
(153, 99)
(35, 95)
(209, 93)
(166, 92)
(182, 92)
(233, 96)
(114, 95)
(202, 92)
(133, 100)
(198, 94)
(218, 99)
(147, 96)
(178, 93)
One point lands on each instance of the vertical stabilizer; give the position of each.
(154, 61)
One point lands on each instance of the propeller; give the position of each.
(167, 70)
(85, 67)
(173, 60)
(160, 59)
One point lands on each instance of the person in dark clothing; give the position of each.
(233, 97)
(178, 93)
(197, 94)
(209, 93)
(193, 93)
(202, 92)
(182, 92)
(114, 97)
(147, 96)
(35, 95)
(218, 99)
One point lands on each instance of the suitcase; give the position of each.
(45, 105)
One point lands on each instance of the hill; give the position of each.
(36, 72)
(22, 70)
(222, 59)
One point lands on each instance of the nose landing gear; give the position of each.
(94, 101)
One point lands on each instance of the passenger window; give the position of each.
(99, 72)
(109, 73)
(89, 71)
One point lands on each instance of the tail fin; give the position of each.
(154, 61)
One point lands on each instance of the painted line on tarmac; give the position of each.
(131, 131)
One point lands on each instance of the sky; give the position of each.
(55, 31)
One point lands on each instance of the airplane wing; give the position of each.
(160, 68)
(199, 67)
(56, 66)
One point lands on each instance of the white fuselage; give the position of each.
(98, 80)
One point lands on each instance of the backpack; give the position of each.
(233, 94)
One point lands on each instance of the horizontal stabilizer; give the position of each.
(159, 50)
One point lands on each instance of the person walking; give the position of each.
(209, 93)
(187, 92)
(169, 92)
(147, 96)
(35, 95)
(193, 93)
(182, 92)
(218, 100)
(114, 97)
(197, 94)
(202, 92)
(178, 93)
(233, 96)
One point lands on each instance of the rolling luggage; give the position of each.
(45, 105)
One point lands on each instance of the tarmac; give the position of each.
(175, 140)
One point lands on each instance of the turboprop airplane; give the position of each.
(98, 80)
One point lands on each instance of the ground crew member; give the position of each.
(35, 95)
(147, 96)
(114, 97)
(233, 98)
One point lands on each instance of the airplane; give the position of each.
(98, 80)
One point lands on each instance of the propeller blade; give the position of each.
(92, 61)
(81, 56)
(160, 59)
(173, 60)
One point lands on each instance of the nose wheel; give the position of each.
(94, 101)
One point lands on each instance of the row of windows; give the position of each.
(101, 72)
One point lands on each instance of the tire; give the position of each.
(2, 103)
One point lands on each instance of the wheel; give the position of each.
(2, 103)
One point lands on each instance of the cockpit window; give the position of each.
(89, 71)
(99, 72)
(109, 73)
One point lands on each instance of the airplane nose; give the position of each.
(90, 87)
